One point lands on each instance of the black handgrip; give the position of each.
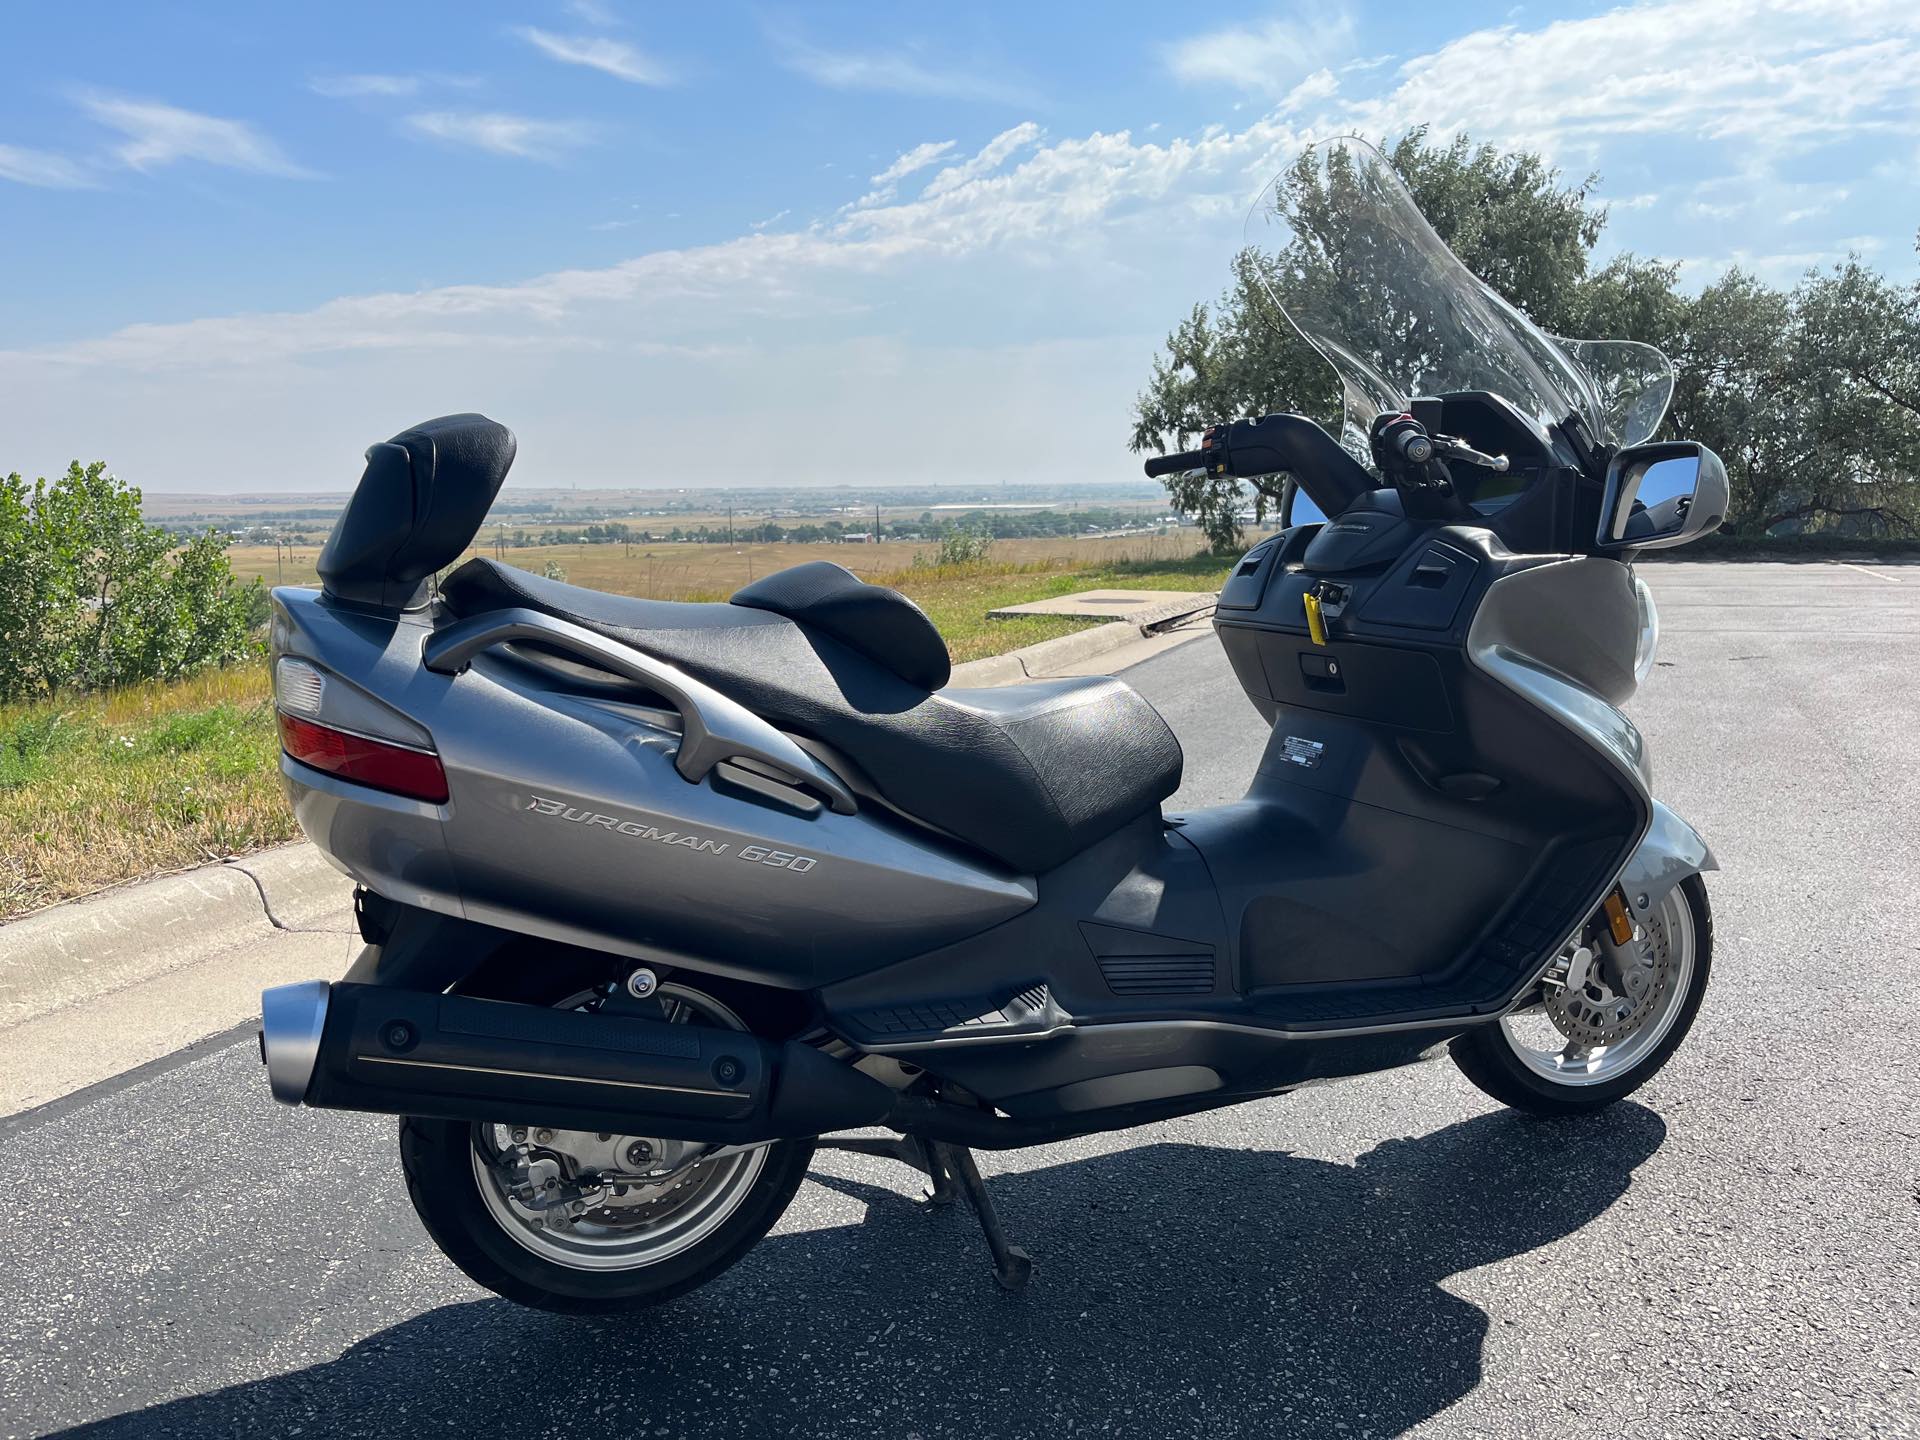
(1415, 445)
(1173, 464)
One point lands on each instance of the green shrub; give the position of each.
(92, 596)
(958, 547)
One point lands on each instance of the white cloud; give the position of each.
(42, 168)
(354, 87)
(990, 158)
(899, 72)
(599, 52)
(159, 134)
(1094, 196)
(887, 183)
(773, 219)
(909, 161)
(1780, 267)
(1271, 57)
(521, 136)
(1783, 77)
(1094, 243)
(593, 12)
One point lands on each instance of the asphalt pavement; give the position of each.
(1736, 1252)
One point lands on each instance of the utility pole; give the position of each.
(729, 524)
(876, 522)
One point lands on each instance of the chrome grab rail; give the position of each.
(714, 728)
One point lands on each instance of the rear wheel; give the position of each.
(1604, 1026)
(595, 1223)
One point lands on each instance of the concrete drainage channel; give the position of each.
(102, 985)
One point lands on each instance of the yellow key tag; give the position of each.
(1316, 622)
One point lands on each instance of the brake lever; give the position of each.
(1453, 449)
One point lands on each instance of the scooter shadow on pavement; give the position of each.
(1180, 1289)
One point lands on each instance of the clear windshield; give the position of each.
(1354, 265)
(1634, 382)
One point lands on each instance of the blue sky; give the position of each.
(718, 244)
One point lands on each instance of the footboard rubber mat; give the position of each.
(1031, 1011)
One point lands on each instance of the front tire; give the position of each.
(1507, 1060)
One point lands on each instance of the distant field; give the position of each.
(690, 572)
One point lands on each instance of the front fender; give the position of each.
(1671, 852)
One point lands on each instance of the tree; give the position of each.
(1811, 396)
(1732, 392)
(92, 596)
(1855, 368)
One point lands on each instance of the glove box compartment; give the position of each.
(1382, 684)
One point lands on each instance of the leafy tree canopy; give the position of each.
(1811, 395)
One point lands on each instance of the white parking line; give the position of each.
(1890, 579)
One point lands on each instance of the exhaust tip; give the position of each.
(291, 1019)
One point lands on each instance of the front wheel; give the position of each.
(1602, 1032)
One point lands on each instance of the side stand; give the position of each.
(1012, 1266)
(950, 1173)
(911, 1151)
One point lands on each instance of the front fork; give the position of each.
(1671, 851)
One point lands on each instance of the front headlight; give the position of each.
(1649, 640)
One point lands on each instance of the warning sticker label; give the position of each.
(1302, 752)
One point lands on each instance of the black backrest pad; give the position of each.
(422, 499)
(881, 624)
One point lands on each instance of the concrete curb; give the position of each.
(120, 938)
(1040, 659)
(1067, 654)
(95, 987)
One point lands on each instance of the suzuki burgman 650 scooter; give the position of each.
(656, 895)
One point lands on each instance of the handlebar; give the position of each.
(1174, 464)
(1414, 444)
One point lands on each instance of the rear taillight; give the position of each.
(397, 769)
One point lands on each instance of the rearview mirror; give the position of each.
(1662, 495)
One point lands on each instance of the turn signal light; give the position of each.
(379, 764)
(1619, 923)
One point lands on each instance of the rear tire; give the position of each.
(1491, 1058)
(444, 1180)
(437, 1158)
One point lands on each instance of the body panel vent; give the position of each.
(1137, 962)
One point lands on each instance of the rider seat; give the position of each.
(1027, 774)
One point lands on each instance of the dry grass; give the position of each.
(96, 790)
(705, 572)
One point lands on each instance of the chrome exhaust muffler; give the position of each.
(292, 1019)
(452, 1057)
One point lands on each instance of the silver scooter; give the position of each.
(655, 895)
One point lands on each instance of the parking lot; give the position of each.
(1734, 1253)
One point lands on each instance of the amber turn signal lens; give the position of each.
(1618, 921)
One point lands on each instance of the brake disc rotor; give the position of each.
(1619, 990)
(640, 1202)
